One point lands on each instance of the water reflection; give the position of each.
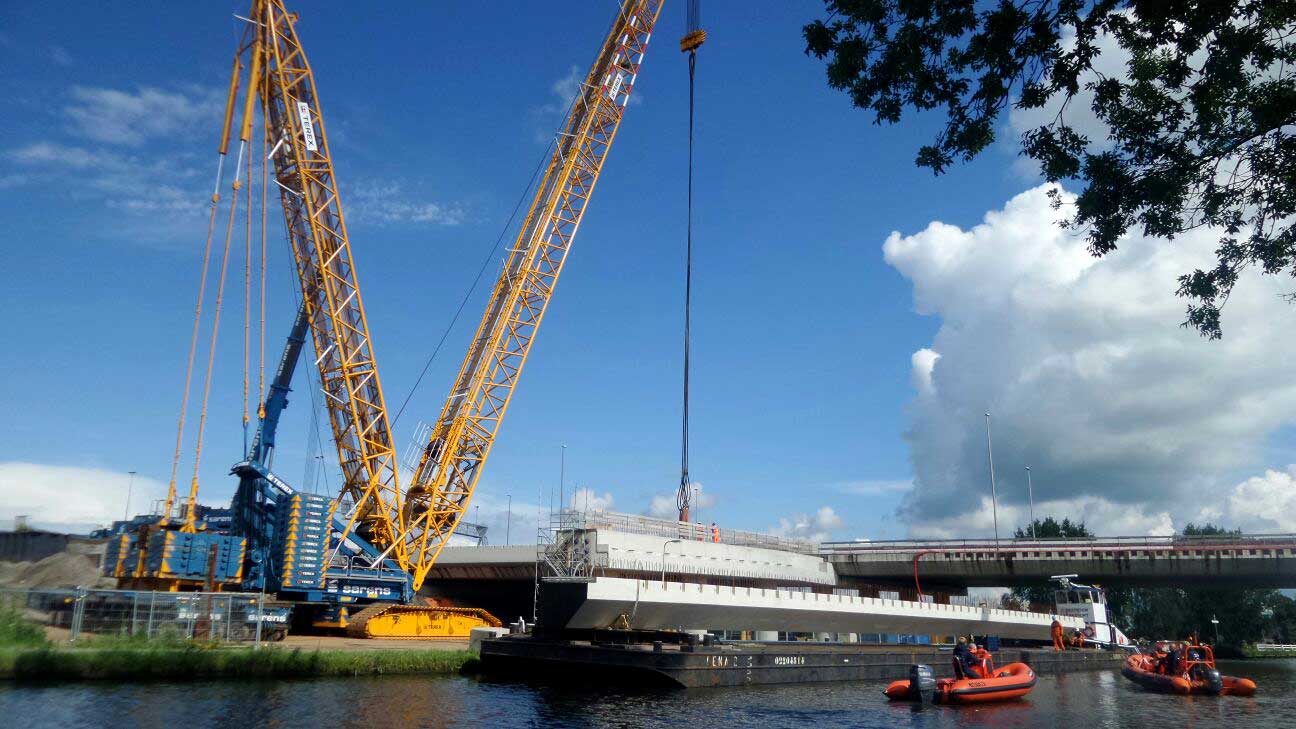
(1095, 699)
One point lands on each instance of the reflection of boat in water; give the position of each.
(1185, 669)
(987, 684)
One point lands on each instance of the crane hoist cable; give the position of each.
(692, 40)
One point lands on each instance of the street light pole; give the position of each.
(562, 480)
(1030, 493)
(669, 541)
(508, 521)
(130, 486)
(994, 497)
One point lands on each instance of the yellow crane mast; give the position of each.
(462, 437)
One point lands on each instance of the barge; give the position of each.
(690, 665)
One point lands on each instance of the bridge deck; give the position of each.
(652, 604)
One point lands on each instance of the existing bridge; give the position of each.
(1260, 560)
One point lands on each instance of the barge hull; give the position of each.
(746, 664)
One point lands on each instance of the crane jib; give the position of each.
(463, 435)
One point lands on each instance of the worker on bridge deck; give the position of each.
(1056, 630)
(715, 533)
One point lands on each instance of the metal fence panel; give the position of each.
(214, 616)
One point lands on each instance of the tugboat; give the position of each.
(1089, 603)
(1183, 669)
(1013, 681)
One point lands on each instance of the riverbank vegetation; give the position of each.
(1246, 616)
(26, 654)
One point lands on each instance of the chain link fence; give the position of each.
(213, 616)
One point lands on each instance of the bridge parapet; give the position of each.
(1267, 560)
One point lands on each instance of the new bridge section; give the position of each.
(1265, 560)
(652, 604)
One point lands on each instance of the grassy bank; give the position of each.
(26, 654)
(1251, 651)
(199, 662)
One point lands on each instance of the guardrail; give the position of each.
(672, 529)
(1130, 542)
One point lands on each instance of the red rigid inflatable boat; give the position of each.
(1005, 684)
(1189, 669)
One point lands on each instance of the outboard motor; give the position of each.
(1209, 676)
(922, 683)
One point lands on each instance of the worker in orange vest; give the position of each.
(1056, 629)
(715, 533)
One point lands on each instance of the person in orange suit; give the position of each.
(1056, 630)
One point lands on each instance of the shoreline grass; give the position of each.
(26, 654)
(197, 662)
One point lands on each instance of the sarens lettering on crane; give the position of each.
(308, 127)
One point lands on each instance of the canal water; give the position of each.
(1075, 701)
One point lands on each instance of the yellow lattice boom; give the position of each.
(463, 435)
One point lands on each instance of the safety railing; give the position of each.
(672, 529)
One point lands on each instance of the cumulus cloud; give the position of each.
(507, 520)
(1259, 504)
(69, 498)
(1089, 377)
(586, 499)
(1101, 516)
(815, 527)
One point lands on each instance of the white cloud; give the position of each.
(131, 118)
(809, 527)
(1102, 517)
(590, 500)
(387, 202)
(146, 189)
(507, 520)
(1089, 377)
(564, 91)
(1259, 504)
(663, 506)
(50, 154)
(69, 497)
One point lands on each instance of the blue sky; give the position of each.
(804, 333)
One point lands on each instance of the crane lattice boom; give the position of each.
(303, 172)
(463, 435)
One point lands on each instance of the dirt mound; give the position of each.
(72, 568)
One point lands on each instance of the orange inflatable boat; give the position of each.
(1013, 681)
(1184, 669)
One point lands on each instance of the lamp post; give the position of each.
(508, 520)
(562, 479)
(130, 486)
(1030, 493)
(994, 497)
(668, 541)
(1215, 621)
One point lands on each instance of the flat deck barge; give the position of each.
(744, 663)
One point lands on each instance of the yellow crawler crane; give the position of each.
(407, 528)
(462, 437)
